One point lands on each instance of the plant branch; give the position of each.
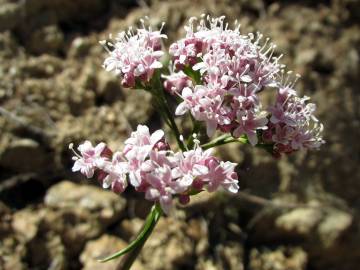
(224, 139)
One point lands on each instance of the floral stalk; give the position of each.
(133, 249)
(224, 139)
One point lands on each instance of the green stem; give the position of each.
(134, 248)
(159, 94)
(226, 138)
(175, 129)
(130, 258)
(222, 140)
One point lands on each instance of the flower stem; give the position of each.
(227, 138)
(159, 94)
(132, 251)
(224, 139)
(152, 219)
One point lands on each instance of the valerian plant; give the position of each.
(215, 75)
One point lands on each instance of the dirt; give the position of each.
(53, 91)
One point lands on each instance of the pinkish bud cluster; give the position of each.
(233, 70)
(218, 73)
(148, 164)
(292, 124)
(176, 82)
(134, 55)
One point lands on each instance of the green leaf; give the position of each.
(193, 74)
(148, 227)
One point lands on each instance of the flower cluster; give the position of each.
(134, 55)
(233, 70)
(292, 124)
(148, 164)
(216, 74)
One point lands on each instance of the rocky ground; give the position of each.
(53, 91)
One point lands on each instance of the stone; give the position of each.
(161, 251)
(138, 112)
(282, 258)
(333, 227)
(231, 256)
(52, 255)
(301, 221)
(15, 156)
(104, 205)
(48, 39)
(79, 213)
(26, 223)
(10, 15)
(102, 247)
(5, 220)
(80, 47)
(108, 87)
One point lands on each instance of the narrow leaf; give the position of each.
(151, 219)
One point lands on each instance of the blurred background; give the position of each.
(299, 212)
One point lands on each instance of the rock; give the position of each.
(10, 15)
(129, 228)
(46, 40)
(12, 249)
(333, 227)
(206, 264)
(231, 256)
(80, 47)
(5, 220)
(300, 221)
(282, 258)
(15, 156)
(108, 87)
(44, 66)
(79, 213)
(26, 223)
(138, 112)
(162, 252)
(104, 205)
(100, 248)
(202, 201)
(53, 255)
(12, 254)
(306, 57)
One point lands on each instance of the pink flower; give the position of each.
(155, 170)
(116, 173)
(221, 174)
(234, 68)
(135, 56)
(176, 82)
(293, 124)
(137, 149)
(88, 159)
(160, 182)
(248, 124)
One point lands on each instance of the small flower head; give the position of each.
(134, 56)
(155, 170)
(233, 68)
(89, 158)
(176, 82)
(292, 124)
